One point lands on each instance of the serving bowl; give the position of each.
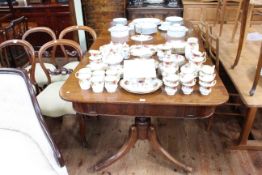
(174, 20)
(177, 31)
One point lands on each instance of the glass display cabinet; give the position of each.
(154, 8)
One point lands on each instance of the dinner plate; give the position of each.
(141, 38)
(141, 89)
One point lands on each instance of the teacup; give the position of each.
(193, 41)
(171, 70)
(187, 90)
(97, 83)
(171, 80)
(188, 79)
(207, 69)
(85, 84)
(170, 90)
(95, 56)
(189, 68)
(113, 72)
(198, 58)
(94, 52)
(98, 73)
(205, 90)
(207, 84)
(206, 77)
(111, 83)
(83, 74)
(178, 59)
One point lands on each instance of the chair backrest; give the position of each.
(15, 30)
(69, 29)
(58, 63)
(76, 28)
(213, 46)
(45, 30)
(202, 32)
(29, 50)
(20, 116)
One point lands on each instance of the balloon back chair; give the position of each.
(67, 30)
(15, 56)
(29, 50)
(50, 102)
(40, 76)
(26, 145)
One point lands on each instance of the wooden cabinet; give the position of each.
(55, 16)
(160, 11)
(193, 9)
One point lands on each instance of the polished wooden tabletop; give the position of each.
(71, 90)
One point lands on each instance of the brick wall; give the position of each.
(99, 13)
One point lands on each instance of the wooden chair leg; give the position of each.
(222, 16)
(218, 14)
(238, 17)
(82, 129)
(257, 74)
(245, 13)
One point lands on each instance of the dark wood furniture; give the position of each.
(141, 107)
(160, 11)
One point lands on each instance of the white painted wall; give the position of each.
(80, 21)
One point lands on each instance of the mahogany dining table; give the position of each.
(142, 107)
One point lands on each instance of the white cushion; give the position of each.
(71, 65)
(17, 113)
(51, 103)
(40, 76)
(20, 154)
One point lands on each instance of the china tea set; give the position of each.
(178, 71)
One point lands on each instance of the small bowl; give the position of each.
(120, 21)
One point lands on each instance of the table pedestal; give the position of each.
(142, 129)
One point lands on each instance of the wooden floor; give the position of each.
(207, 152)
(187, 140)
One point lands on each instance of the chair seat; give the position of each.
(16, 148)
(71, 65)
(51, 103)
(40, 76)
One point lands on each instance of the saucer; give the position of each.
(156, 84)
(141, 38)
